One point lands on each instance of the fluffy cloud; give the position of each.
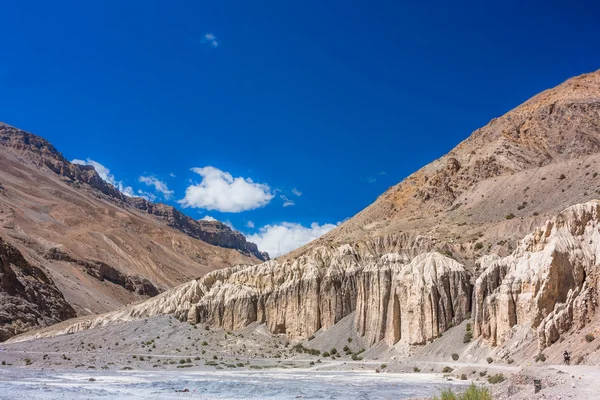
(287, 202)
(220, 191)
(107, 176)
(208, 218)
(211, 39)
(250, 224)
(283, 238)
(296, 192)
(159, 185)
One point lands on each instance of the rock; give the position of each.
(550, 283)
(28, 297)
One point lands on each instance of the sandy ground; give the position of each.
(152, 358)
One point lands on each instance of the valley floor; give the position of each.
(158, 358)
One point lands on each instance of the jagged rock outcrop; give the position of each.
(28, 298)
(213, 232)
(551, 282)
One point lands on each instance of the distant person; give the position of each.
(567, 357)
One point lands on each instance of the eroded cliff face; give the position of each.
(550, 283)
(395, 300)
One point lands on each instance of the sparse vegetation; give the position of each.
(463, 377)
(27, 361)
(416, 369)
(472, 393)
(489, 360)
(478, 246)
(497, 378)
(455, 357)
(540, 357)
(510, 216)
(447, 370)
(468, 336)
(589, 338)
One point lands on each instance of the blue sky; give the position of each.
(269, 99)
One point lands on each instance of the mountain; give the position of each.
(493, 188)
(92, 244)
(502, 231)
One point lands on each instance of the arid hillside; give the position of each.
(100, 248)
(493, 188)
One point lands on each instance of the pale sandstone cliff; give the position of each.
(395, 300)
(550, 283)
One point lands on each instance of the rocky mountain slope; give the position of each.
(451, 242)
(493, 188)
(101, 248)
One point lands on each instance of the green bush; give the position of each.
(447, 370)
(333, 351)
(416, 369)
(463, 377)
(325, 354)
(349, 340)
(489, 360)
(496, 378)
(540, 357)
(472, 393)
(383, 366)
(468, 336)
(455, 357)
(478, 246)
(589, 338)
(510, 216)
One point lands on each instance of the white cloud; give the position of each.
(287, 202)
(159, 185)
(296, 192)
(250, 224)
(287, 236)
(220, 191)
(211, 39)
(172, 175)
(107, 176)
(208, 218)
